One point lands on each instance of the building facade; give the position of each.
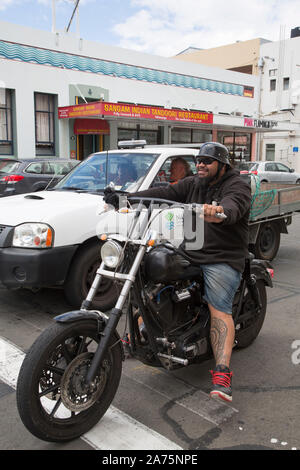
(280, 99)
(277, 64)
(67, 97)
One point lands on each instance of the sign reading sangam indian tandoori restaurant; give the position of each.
(133, 111)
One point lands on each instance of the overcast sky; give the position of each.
(162, 27)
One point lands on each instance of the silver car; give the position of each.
(268, 172)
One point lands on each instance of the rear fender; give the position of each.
(260, 268)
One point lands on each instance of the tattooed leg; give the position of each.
(221, 335)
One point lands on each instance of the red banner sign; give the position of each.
(90, 126)
(80, 110)
(134, 111)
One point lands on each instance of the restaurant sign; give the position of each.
(101, 108)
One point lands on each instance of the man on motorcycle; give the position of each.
(222, 256)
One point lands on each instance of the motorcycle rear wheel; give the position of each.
(248, 331)
(52, 400)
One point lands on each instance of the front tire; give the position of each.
(80, 278)
(52, 399)
(248, 330)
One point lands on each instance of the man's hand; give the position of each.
(209, 212)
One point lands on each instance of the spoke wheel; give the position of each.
(53, 400)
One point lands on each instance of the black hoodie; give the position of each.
(225, 242)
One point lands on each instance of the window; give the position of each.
(174, 169)
(270, 152)
(58, 168)
(273, 84)
(286, 83)
(272, 72)
(6, 145)
(36, 168)
(184, 135)
(270, 167)
(44, 124)
(238, 144)
(284, 168)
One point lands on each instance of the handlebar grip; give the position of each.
(198, 208)
(221, 215)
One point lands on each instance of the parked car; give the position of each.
(270, 172)
(30, 175)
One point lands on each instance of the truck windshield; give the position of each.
(126, 170)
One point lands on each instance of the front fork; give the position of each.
(115, 313)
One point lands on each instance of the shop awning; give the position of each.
(91, 126)
(100, 110)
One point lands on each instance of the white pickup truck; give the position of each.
(51, 238)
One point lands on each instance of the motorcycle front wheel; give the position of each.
(53, 400)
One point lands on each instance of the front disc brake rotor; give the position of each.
(75, 394)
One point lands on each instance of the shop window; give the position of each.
(238, 144)
(273, 84)
(44, 124)
(199, 136)
(181, 136)
(139, 132)
(185, 135)
(6, 144)
(286, 83)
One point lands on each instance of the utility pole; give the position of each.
(76, 9)
(71, 19)
(53, 17)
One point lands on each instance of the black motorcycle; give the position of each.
(71, 373)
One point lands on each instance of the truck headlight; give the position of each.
(111, 254)
(33, 235)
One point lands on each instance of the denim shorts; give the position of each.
(221, 282)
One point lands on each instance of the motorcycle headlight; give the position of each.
(111, 254)
(33, 235)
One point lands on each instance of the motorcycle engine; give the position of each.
(174, 304)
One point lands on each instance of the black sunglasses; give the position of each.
(205, 160)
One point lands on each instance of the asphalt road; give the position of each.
(265, 412)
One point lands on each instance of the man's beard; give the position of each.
(206, 180)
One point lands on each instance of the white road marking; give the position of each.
(115, 431)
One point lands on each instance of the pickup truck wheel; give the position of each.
(267, 242)
(80, 279)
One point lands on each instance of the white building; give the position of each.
(164, 100)
(280, 99)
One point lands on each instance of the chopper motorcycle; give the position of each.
(71, 373)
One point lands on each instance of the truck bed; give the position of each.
(285, 202)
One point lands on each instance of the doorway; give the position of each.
(87, 144)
